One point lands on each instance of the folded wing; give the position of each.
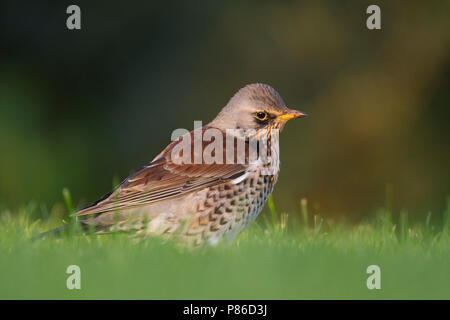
(163, 179)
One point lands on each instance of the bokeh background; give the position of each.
(78, 108)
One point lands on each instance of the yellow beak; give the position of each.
(291, 114)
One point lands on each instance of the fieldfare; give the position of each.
(207, 185)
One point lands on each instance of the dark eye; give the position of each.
(261, 115)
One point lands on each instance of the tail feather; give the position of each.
(57, 232)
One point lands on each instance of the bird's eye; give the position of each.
(261, 115)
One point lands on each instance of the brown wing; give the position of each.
(163, 179)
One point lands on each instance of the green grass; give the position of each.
(279, 257)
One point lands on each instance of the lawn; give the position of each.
(297, 256)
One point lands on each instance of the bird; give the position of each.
(202, 202)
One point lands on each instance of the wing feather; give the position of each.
(163, 179)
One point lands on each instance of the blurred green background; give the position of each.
(80, 107)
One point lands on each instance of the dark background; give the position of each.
(80, 107)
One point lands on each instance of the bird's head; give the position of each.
(255, 106)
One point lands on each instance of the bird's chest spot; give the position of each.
(230, 208)
(243, 201)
